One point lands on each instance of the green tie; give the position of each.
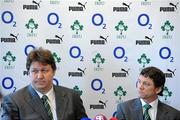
(47, 106)
(146, 114)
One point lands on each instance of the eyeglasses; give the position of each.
(144, 83)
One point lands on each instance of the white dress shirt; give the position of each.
(153, 110)
(51, 100)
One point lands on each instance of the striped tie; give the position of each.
(146, 114)
(47, 106)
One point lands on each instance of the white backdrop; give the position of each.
(100, 46)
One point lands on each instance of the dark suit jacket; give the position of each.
(132, 110)
(25, 104)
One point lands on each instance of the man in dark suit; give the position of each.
(29, 103)
(149, 85)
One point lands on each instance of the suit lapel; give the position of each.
(162, 113)
(35, 102)
(61, 102)
(138, 114)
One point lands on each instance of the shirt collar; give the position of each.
(49, 94)
(153, 103)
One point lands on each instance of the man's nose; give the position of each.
(40, 74)
(140, 86)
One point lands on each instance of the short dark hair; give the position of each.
(41, 55)
(156, 75)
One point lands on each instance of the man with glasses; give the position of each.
(41, 100)
(150, 84)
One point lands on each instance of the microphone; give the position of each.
(113, 118)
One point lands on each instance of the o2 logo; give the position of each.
(98, 20)
(53, 19)
(114, 114)
(75, 52)
(97, 85)
(8, 18)
(8, 83)
(27, 47)
(165, 53)
(119, 53)
(144, 20)
(55, 82)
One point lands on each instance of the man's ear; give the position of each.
(158, 90)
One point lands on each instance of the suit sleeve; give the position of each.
(80, 110)
(9, 109)
(120, 113)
